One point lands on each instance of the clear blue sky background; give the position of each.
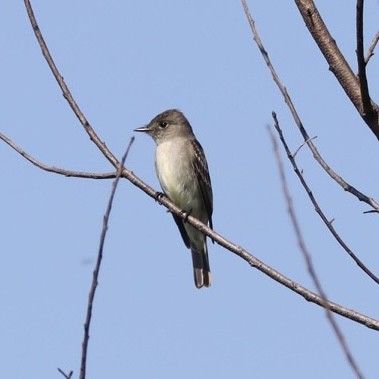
(124, 63)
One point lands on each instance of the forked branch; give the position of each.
(345, 185)
(368, 110)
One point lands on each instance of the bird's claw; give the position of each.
(158, 196)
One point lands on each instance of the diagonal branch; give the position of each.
(244, 254)
(79, 114)
(66, 92)
(346, 186)
(55, 170)
(308, 259)
(328, 224)
(261, 266)
(337, 63)
(366, 102)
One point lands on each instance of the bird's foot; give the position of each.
(186, 214)
(158, 196)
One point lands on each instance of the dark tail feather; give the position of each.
(201, 270)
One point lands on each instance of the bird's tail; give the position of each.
(201, 270)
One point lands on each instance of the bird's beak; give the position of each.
(144, 129)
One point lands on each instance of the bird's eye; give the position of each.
(163, 124)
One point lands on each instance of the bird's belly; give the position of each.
(178, 181)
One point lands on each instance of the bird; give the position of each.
(183, 174)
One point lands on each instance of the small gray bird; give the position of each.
(183, 174)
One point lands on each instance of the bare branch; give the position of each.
(244, 254)
(55, 170)
(363, 85)
(308, 260)
(309, 192)
(337, 63)
(346, 186)
(261, 266)
(96, 271)
(371, 49)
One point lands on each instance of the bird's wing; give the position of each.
(203, 179)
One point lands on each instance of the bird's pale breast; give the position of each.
(176, 174)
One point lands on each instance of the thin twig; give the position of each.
(304, 143)
(370, 51)
(96, 271)
(318, 209)
(308, 259)
(244, 254)
(346, 186)
(67, 376)
(363, 85)
(55, 170)
(371, 211)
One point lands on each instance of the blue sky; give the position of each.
(124, 63)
